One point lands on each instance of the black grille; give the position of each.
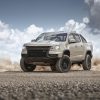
(37, 53)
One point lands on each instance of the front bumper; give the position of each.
(51, 59)
(49, 56)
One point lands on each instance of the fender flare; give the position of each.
(66, 52)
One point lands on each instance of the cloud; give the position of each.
(34, 29)
(73, 26)
(94, 13)
(50, 30)
(4, 30)
(11, 40)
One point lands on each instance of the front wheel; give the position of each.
(87, 63)
(26, 67)
(63, 64)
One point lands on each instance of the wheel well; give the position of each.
(90, 53)
(66, 52)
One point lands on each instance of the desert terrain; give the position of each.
(46, 85)
(42, 84)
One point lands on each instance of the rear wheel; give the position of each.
(63, 64)
(26, 67)
(87, 62)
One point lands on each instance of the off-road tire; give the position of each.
(63, 64)
(87, 62)
(26, 67)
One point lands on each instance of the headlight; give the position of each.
(24, 51)
(57, 47)
(23, 48)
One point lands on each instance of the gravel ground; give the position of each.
(74, 85)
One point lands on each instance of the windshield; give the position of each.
(61, 37)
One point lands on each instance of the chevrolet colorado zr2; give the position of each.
(59, 50)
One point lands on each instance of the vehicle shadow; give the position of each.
(43, 71)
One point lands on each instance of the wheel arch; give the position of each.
(66, 52)
(89, 52)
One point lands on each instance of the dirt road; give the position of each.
(80, 85)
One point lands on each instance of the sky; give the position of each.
(46, 13)
(23, 20)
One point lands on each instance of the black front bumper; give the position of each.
(39, 54)
(40, 60)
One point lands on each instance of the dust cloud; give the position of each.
(7, 65)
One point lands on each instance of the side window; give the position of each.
(77, 38)
(70, 37)
(83, 39)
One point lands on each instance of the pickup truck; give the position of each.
(59, 50)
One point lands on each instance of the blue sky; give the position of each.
(46, 13)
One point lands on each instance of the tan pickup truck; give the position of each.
(59, 50)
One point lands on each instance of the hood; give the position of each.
(42, 43)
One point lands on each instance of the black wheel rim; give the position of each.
(64, 64)
(29, 67)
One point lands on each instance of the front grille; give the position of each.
(37, 51)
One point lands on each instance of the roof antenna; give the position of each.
(72, 28)
(71, 31)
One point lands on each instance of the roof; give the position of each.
(60, 32)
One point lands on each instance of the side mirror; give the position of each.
(72, 41)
